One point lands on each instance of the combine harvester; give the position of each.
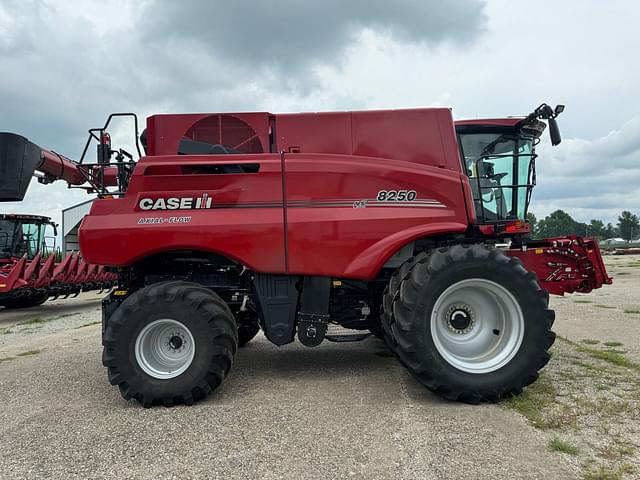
(399, 223)
(29, 273)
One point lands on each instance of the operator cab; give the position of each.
(24, 235)
(499, 158)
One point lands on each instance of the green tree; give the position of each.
(628, 226)
(533, 221)
(558, 223)
(610, 231)
(596, 229)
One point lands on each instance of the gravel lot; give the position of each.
(336, 411)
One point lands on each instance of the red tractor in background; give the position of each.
(396, 223)
(29, 272)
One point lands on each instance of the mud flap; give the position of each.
(277, 297)
(18, 160)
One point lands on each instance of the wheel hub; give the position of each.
(477, 325)
(460, 319)
(165, 349)
(176, 342)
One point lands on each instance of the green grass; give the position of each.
(538, 405)
(5, 331)
(604, 473)
(613, 357)
(622, 273)
(604, 306)
(33, 321)
(613, 344)
(582, 301)
(29, 352)
(39, 321)
(6, 359)
(632, 311)
(557, 445)
(589, 341)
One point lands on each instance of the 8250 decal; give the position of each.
(396, 196)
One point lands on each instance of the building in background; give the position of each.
(71, 218)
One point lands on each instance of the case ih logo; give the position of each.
(176, 203)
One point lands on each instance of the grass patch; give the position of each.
(557, 445)
(29, 352)
(622, 273)
(610, 356)
(34, 321)
(582, 301)
(40, 321)
(538, 405)
(632, 311)
(6, 359)
(613, 344)
(5, 331)
(604, 473)
(604, 306)
(97, 322)
(589, 341)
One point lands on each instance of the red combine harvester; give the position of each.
(397, 223)
(29, 274)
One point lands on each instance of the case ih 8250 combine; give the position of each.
(399, 223)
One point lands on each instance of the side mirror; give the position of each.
(559, 109)
(554, 132)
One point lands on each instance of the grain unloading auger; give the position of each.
(399, 223)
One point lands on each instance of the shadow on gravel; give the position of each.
(49, 309)
(367, 367)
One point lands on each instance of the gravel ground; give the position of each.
(336, 411)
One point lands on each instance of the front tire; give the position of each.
(469, 323)
(170, 343)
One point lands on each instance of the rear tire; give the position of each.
(170, 343)
(468, 322)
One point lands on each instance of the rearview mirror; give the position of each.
(554, 132)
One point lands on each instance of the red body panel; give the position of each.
(332, 211)
(246, 223)
(491, 122)
(345, 159)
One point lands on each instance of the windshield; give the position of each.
(20, 238)
(7, 234)
(501, 169)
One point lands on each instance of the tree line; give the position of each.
(561, 223)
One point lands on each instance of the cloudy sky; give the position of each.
(66, 65)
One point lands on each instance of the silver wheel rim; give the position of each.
(165, 348)
(477, 325)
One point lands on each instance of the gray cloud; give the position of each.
(67, 65)
(290, 35)
(595, 178)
